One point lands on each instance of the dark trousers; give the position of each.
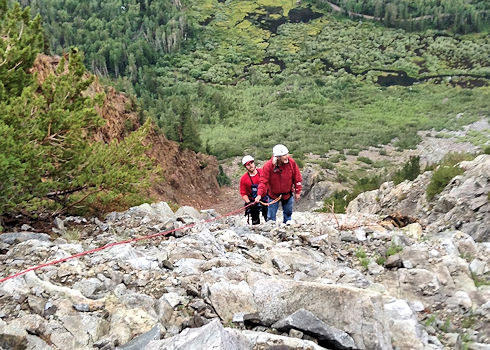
(255, 211)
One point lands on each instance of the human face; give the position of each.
(283, 159)
(250, 166)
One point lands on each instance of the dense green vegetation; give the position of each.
(48, 160)
(457, 15)
(257, 72)
(118, 37)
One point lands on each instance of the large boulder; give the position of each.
(339, 306)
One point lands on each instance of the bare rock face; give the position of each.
(188, 178)
(315, 188)
(407, 198)
(464, 202)
(462, 205)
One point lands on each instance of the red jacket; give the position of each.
(277, 180)
(246, 184)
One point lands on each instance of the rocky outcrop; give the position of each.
(325, 282)
(315, 188)
(463, 205)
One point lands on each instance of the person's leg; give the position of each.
(255, 214)
(272, 211)
(287, 209)
(264, 211)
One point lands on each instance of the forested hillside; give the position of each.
(239, 76)
(455, 15)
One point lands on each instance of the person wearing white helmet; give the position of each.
(280, 177)
(249, 184)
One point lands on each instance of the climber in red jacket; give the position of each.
(280, 176)
(249, 184)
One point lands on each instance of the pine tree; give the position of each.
(48, 157)
(20, 41)
(183, 127)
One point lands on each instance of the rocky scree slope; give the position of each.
(348, 281)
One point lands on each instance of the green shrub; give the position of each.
(337, 158)
(408, 140)
(409, 171)
(365, 160)
(480, 281)
(430, 320)
(364, 262)
(327, 165)
(339, 200)
(393, 249)
(341, 177)
(300, 163)
(440, 179)
(362, 256)
(353, 152)
(367, 183)
(360, 253)
(445, 172)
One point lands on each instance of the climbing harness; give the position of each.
(260, 205)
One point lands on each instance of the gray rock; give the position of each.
(210, 336)
(188, 214)
(12, 336)
(88, 287)
(460, 299)
(36, 304)
(25, 227)
(37, 343)
(338, 306)
(348, 236)
(307, 322)
(229, 298)
(253, 276)
(393, 261)
(59, 226)
(174, 299)
(405, 331)
(374, 268)
(463, 203)
(264, 340)
(478, 267)
(141, 341)
(17, 237)
(478, 346)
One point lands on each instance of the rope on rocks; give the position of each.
(164, 233)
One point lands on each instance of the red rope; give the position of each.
(164, 233)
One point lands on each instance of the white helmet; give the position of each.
(247, 159)
(279, 150)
